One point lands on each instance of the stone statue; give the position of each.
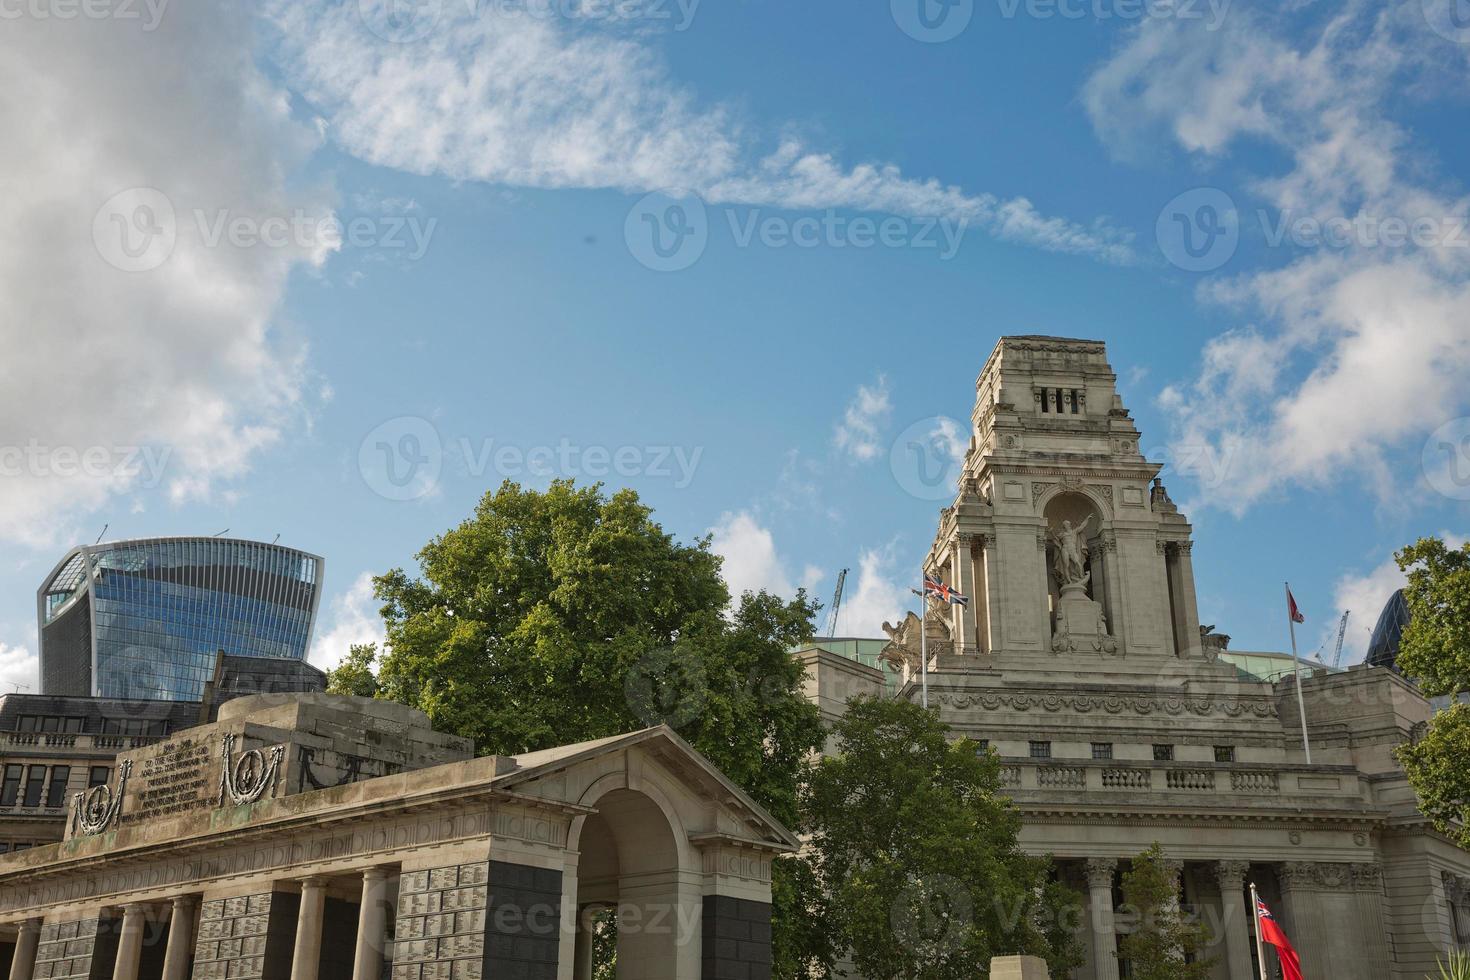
(903, 640)
(1071, 552)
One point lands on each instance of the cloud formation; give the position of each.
(531, 102)
(859, 434)
(1347, 356)
(139, 353)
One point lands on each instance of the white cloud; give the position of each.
(529, 102)
(751, 560)
(350, 618)
(1365, 595)
(182, 358)
(879, 596)
(859, 433)
(20, 670)
(1355, 352)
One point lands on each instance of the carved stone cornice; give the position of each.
(1111, 704)
(1329, 876)
(1100, 872)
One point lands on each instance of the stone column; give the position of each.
(23, 965)
(306, 957)
(963, 580)
(1231, 877)
(582, 954)
(1104, 934)
(1174, 870)
(130, 944)
(1367, 885)
(180, 939)
(1186, 604)
(372, 921)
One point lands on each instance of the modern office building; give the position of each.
(146, 619)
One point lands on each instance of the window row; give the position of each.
(42, 785)
(1103, 751)
(75, 724)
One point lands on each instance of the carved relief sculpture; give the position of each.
(246, 779)
(97, 809)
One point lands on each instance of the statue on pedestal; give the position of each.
(1071, 553)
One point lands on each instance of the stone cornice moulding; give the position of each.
(1112, 704)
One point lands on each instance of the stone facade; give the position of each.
(1081, 663)
(214, 856)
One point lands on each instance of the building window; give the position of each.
(56, 792)
(1041, 750)
(98, 776)
(1102, 750)
(35, 786)
(1163, 753)
(28, 723)
(10, 789)
(1224, 753)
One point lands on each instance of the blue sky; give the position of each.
(260, 244)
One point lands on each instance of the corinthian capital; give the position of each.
(1100, 872)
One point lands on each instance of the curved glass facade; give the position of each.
(1383, 648)
(146, 619)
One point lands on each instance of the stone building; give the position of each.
(318, 837)
(55, 746)
(1081, 662)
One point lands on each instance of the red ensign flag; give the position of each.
(1291, 964)
(1291, 607)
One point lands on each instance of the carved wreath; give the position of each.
(246, 779)
(95, 810)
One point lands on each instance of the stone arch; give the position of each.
(634, 856)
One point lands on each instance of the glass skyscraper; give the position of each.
(146, 619)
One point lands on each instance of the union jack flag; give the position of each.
(937, 589)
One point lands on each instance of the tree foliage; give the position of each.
(1162, 941)
(354, 675)
(1435, 652)
(916, 851)
(560, 616)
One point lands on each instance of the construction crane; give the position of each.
(836, 604)
(1341, 632)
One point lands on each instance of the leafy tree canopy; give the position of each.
(566, 615)
(354, 675)
(916, 850)
(1435, 651)
(1162, 944)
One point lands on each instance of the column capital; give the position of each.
(1172, 866)
(135, 909)
(1366, 876)
(184, 902)
(1100, 872)
(1231, 875)
(315, 882)
(31, 925)
(375, 874)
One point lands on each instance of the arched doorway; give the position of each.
(630, 861)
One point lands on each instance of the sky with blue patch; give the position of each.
(331, 270)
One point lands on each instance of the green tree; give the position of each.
(354, 675)
(1163, 943)
(565, 615)
(1435, 651)
(916, 850)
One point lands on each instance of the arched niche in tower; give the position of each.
(1076, 516)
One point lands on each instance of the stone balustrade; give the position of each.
(1174, 778)
(75, 740)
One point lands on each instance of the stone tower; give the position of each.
(1066, 542)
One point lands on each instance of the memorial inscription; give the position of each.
(177, 779)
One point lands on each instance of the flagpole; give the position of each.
(1301, 705)
(1256, 918)
(923, 640)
